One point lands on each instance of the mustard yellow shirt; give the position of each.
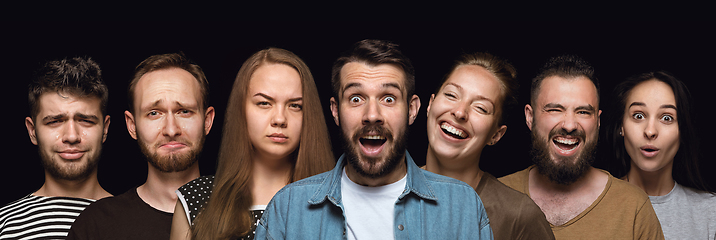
(622, 211)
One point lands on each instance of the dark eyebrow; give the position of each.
(358, 85)
(54, 117)
(637, 104)
(394, 85)
(264, 96)
(668, 106)
(553, 105)
(351, 85)
(643, 104)
(63, 116)
(84, 116)
(587, 107)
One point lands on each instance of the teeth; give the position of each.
(453, 130)
(374, 137)
(566, 141)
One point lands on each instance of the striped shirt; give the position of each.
(33, 217)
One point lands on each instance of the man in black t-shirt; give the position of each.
(169, 116)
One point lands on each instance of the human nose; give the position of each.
(372, 114)
(650, 131)
(171, 126)
(279, 118)
(71, 134)
(570, 122)
(460, 111)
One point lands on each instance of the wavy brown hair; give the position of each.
(226, 216)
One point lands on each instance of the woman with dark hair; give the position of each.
(274, 134)
(656, 145)
(465, 115)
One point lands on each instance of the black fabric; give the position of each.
(124, 216)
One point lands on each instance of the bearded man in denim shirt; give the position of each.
(375, 191)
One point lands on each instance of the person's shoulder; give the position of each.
(700, 197)
(516, 180)
(440, 185)
(20, 201)
(32, 201)
(312, 180)
(203, 182)
(306, 184)
(16, 206)
(626, 189)
(509, 200)
(501, 191)
(112, 203)
(434, 178)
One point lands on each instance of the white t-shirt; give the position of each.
(369, 210)
(685, 213)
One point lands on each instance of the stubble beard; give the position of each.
(562, 170)
(175, 162)
(71, 172)
(376, 167)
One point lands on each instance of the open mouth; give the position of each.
(452, 131)
(372, 145)
(372, 141)
(649, 151)
(565, 144)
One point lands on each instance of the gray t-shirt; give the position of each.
(686, 213)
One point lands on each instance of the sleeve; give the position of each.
(532, 222)
(646, 225)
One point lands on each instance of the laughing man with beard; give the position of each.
(579, 201)
(169, 116)
(375, 191)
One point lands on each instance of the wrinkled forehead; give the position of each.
(65, 103)
(568, 91)
(361, 75)
(175, 86)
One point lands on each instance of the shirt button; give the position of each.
(400, 227)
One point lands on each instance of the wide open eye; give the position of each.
(638, 116)
(355, 99)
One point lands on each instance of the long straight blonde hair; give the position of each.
(226, 216)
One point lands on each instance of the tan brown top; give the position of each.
(622, 211)
(512, 214)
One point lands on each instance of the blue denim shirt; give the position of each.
(432, 206)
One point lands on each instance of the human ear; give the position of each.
(209, 119)
(30, 125)
(430, 103)
(131, 126)
(106, 128)
(498, 135)
(528, 116)
(413, 108)
(334, 111)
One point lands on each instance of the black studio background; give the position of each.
(616, 49)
